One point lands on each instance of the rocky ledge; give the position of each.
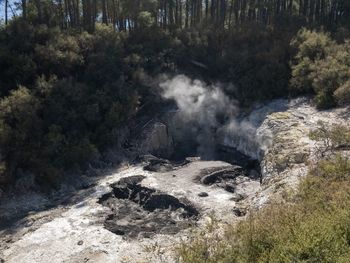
(282, 144)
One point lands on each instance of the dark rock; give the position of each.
(237, 197)
(145, 210)
(230, 187)
(147, 235)
(239, 211)
(155, 139)
(222, 174)
(87, 185)
(203, 194)
(235, 157)
(145, 158)
(105, 197)
(162, 165)
(80, 242)
(254, 174)
(135, 179)
(162, 201)
(159, 165)
(116, 229)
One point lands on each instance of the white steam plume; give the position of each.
(196, 101)
(208, 115)
(202, 110)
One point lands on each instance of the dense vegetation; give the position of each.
(71, 71)
(322, 66)
(312, 225)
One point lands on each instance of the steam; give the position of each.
(197, 101)
(202, 110)
(207, 115)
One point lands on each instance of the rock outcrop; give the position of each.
(155, 139)
(280, 140)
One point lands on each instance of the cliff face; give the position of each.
(282, 143)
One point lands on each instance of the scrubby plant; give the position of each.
(322, 66)
(330, 138)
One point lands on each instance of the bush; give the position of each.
(19, 129)
(78, 94)
(322, 66)
(342, 94)
(330, 138)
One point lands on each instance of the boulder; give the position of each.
(203, 194)
(157, 140)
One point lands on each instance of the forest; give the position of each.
(125, 15)
(72, 73)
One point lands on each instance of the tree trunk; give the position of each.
(222, 13)
(61, 14)
(114, 14)
(213, 11)
(24, 9)
(180, 19)
(230, 14)
(6, 14)
(187, 9)
(104, 12)
(38, 8)
(171, 13)
(206, 9)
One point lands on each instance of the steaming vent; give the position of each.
(207, 123)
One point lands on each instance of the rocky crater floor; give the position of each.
(138, 212)
(130, 213)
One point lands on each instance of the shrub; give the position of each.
(342, 94)
(322, 66)
(312, 226)
(19, 128)
(330, 138)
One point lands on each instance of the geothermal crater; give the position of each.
(160, 194)
(140, 210)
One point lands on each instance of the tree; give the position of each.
(6, 10)
(24, 9)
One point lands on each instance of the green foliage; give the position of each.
(75, 100)
(312, 44)
(330, 138)
(60, 55)
(323, 66)
(19, 127)
(145, 19)
(206, 245)
(337, 169)
(342, 94)
(313, 226)
(256, 65)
